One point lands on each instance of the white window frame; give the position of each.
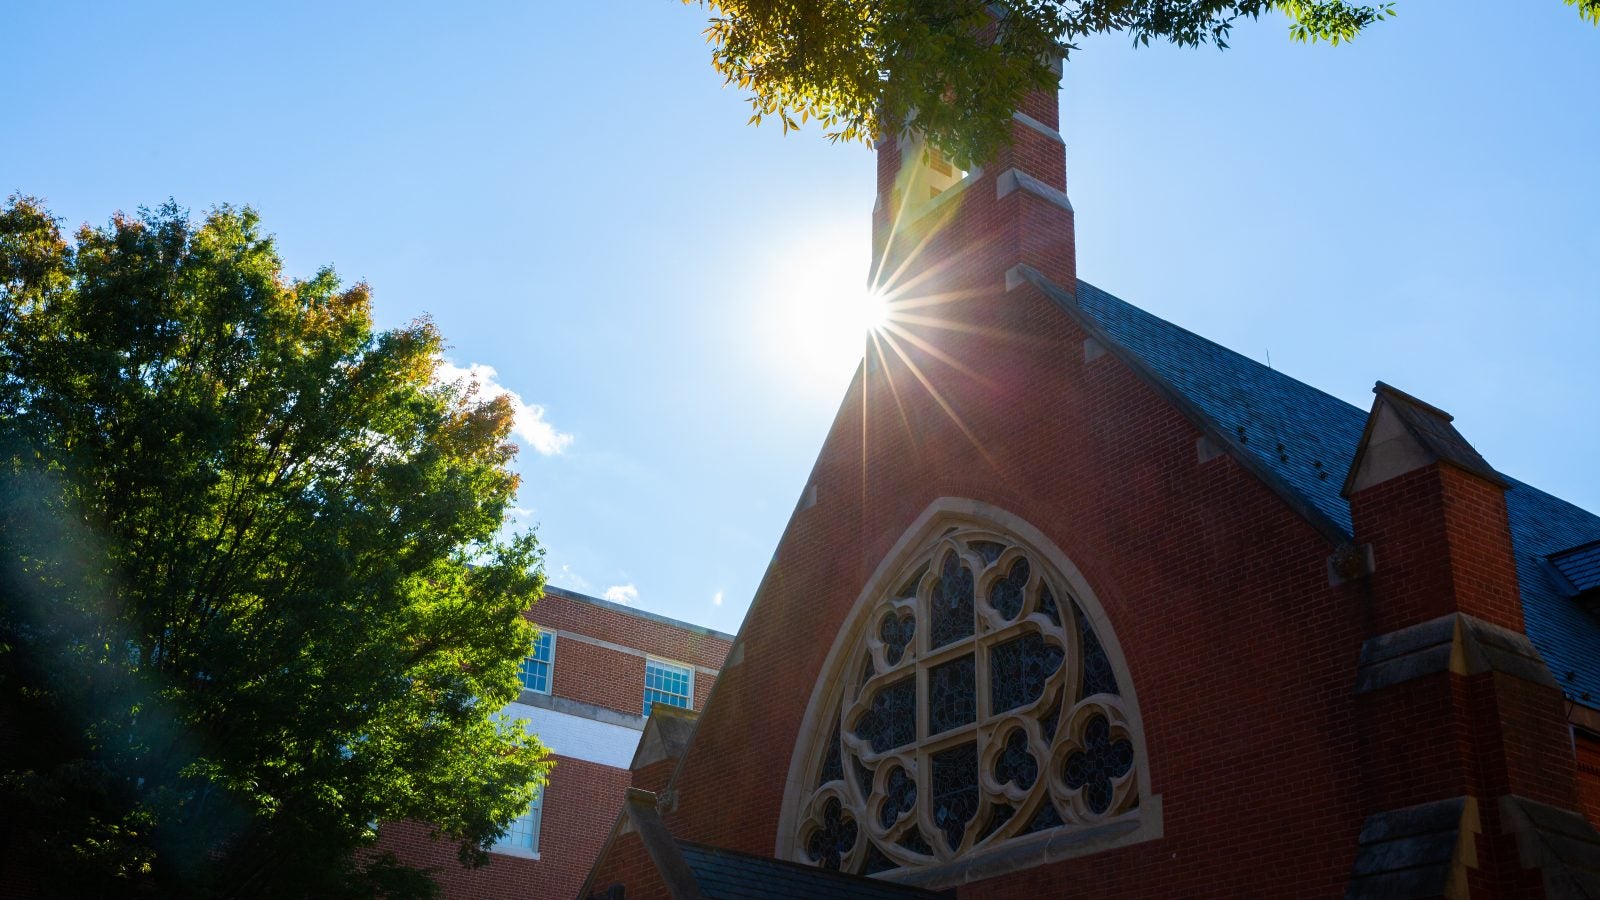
(534, 812)
(549, 682)
(662, 661)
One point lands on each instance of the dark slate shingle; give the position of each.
(1580, 566)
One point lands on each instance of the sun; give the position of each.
(819, 313)
(874, 310)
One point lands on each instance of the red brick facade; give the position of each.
(1587, 746)
(600, 654)
(580, 802)
(1243, 651)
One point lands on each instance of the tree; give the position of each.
(960, 67)
(254, 598)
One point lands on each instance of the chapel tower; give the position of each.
(974, 222)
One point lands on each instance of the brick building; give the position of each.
(598, 671)
(1078, 602)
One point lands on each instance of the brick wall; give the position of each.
(580, 804)
(1588, 752)
(599, 675)
(629, 865)
(583, 798)
(654, 777)
(614, 678)
(1444, 547)
(563, 613)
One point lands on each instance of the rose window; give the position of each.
(979, 708)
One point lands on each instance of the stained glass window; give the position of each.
(952, 602)
(1016, 764)
(979, 707)
(1006, 595)
(896, 633)
(1101, 761)
(900, 796)
(1097, 675)
(952, 695)
(1047, 604)
(836, 838)
(832, 763)
(955, 790)
(891, 720)
(1019, 668)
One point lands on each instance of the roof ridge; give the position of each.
(810, 871)
(625, 609)
(1278, 373)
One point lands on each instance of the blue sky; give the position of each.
(571, 194)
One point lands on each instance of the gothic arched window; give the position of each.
(971, 705)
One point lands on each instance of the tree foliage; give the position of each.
(960, 67)
(254, 598)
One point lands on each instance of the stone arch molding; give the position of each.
(974, 716)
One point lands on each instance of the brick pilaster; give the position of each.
(1455, 702)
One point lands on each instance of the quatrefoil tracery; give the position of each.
(986, 710)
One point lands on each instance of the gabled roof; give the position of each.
(1302, 443)
(690, 871)
(1403, 433)
(726, 875)
(666, 735)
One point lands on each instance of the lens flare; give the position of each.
(874, 311)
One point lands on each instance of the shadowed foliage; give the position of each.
(255, 597)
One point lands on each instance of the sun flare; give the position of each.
(874, 310)
(821, 313)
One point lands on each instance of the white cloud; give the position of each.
(528, 418)
(716, 599)
(567, 578)
(622, 593)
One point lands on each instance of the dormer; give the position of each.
(1576, 572)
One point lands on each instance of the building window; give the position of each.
(522, 837)
(667, 683)
(536, 669)
(974, 707)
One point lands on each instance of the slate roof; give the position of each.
(1305, 440)
(725, 875)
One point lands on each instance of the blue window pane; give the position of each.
(536, 668)
(523, 833)
(668, 684)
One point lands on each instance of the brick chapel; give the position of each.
(1078, 603)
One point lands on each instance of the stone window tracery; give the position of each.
(977, 707)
